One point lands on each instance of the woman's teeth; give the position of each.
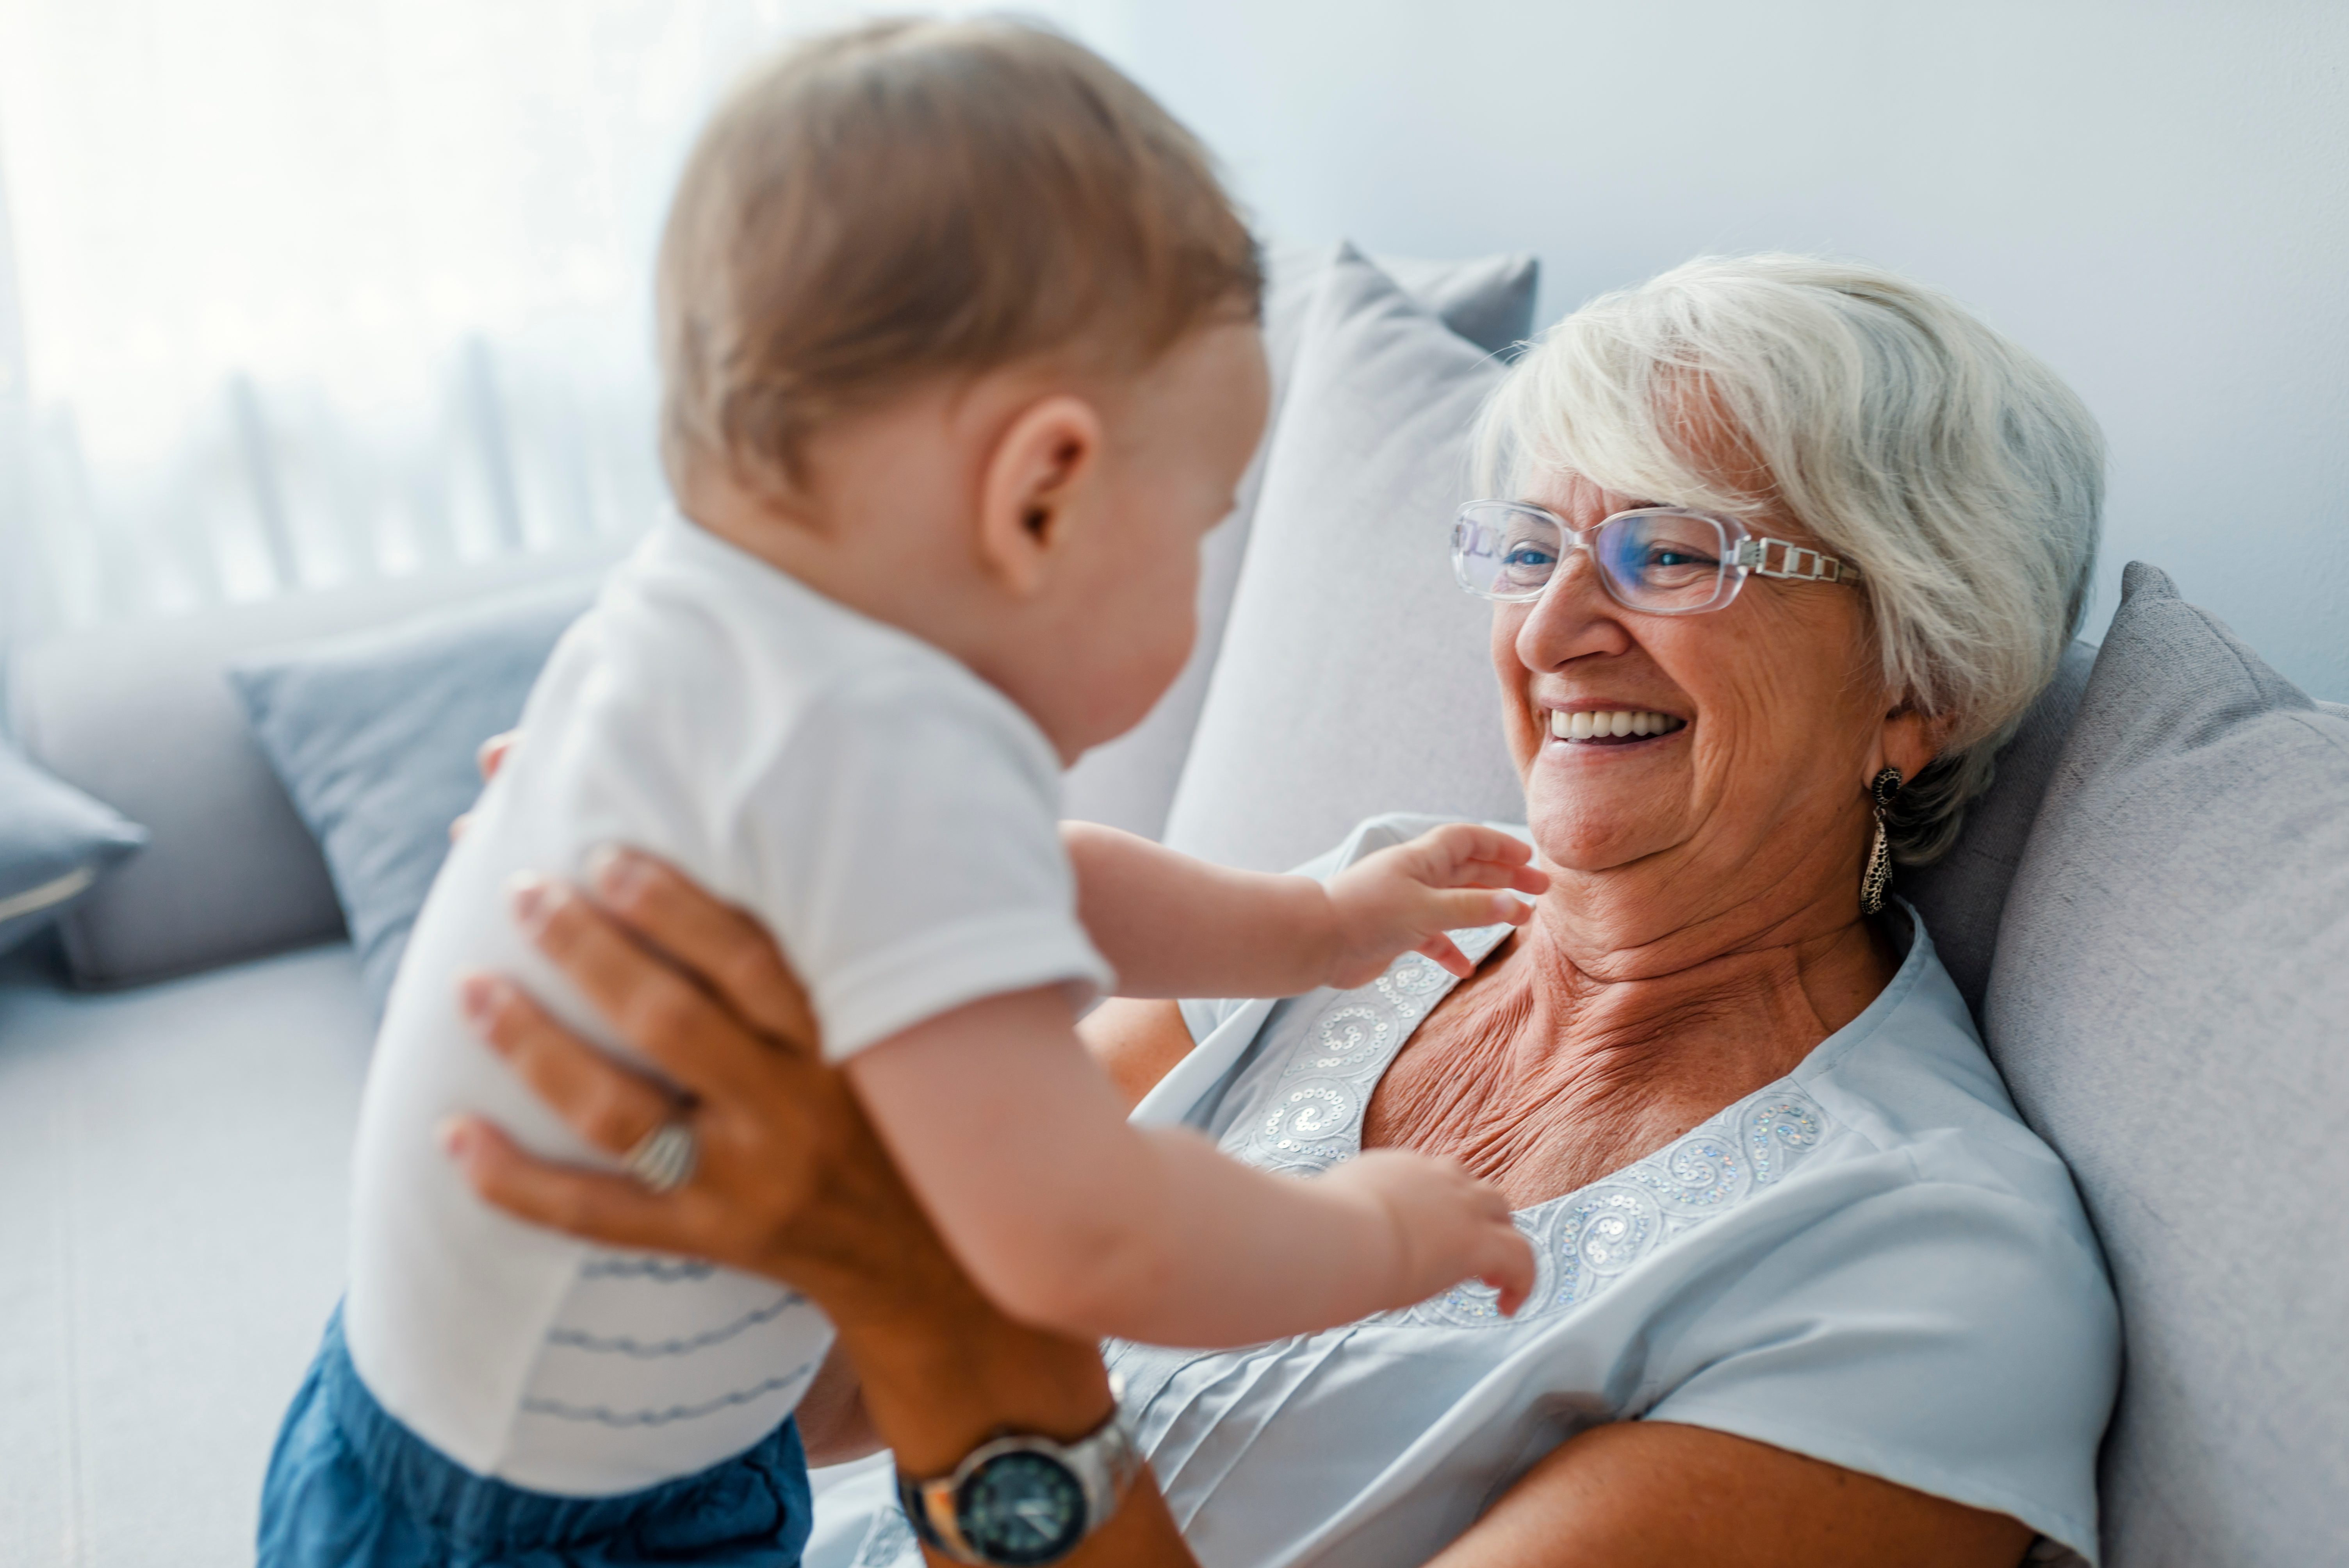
(1621, 722)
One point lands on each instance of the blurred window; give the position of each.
(295, 292)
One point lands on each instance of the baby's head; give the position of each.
(957, 325)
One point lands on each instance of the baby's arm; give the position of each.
(1174, 926)
(1071, 1219)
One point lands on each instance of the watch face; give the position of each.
(1022, 1508)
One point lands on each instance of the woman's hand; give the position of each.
(790, 1183)
(772, 1125)
(489, 760)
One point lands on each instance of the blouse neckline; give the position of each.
(1307, 1110)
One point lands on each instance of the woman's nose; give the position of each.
(1572, 619)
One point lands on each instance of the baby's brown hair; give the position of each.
(908, 200)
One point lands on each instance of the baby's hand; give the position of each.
(1404, 898)
(1448, 1226)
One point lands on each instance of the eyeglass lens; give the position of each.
(1662, 561)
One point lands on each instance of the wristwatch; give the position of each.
(1023, 1501)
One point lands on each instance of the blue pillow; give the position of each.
(374, 736)
(54, 844)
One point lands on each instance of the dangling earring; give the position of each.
(1878, 879)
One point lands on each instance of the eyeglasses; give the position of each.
(1659, 558)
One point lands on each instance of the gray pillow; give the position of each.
(2169, 1003)
(374, 736)
(1960, 895)
(54, 844)
(139, 714)
(1353, 678)
(1130, 782)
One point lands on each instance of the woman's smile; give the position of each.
(1603, 724)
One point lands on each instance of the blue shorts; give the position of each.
(350, 1487)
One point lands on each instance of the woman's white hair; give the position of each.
(1955, 470)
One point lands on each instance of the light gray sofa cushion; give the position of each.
(175, 1160)
(1347, 634)
(54, 844)
(1130, 782)
(374, 737)
(142, 717)
(2169, 1003)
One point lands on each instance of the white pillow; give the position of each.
(1353, 677)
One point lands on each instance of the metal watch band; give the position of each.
(1104, 1463)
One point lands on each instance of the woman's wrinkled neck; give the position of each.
(1625, 977)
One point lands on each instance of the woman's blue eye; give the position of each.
(1678, 558)
(1526, 555)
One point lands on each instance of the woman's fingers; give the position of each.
(731, 952)
(609, 1106)
(493, 753)
(650, 1004)
(489, 760)
(602, 1208)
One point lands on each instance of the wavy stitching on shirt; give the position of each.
(621, 1344)
(666, 1271)
(1309, 1117)
(603, 1415)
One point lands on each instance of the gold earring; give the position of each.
(1875, 881)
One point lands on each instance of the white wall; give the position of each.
(2152, 195)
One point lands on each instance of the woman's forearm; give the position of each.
(1654, 1495)
(936, 1393)
(938, 1371)
(1174, 926)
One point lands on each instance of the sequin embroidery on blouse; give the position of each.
(1310, 1118)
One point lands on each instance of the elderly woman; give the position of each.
(1790, 547)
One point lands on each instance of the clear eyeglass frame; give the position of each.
(1657, 560)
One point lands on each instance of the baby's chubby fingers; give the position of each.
(1459, 908)
(1468, 854)
(1447, 955)
(1512, 1271)
(1506, 1264)
(1525, 879)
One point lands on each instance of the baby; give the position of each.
(960, 359)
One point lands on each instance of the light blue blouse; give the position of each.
(1871, 1261)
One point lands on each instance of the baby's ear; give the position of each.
(1036, 479)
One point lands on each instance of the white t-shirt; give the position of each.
(891, 817)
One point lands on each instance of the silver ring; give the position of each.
(662, 1159)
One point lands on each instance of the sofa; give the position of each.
(2150, 914)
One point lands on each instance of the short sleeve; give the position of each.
(1952, 1339)
(906, 844)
